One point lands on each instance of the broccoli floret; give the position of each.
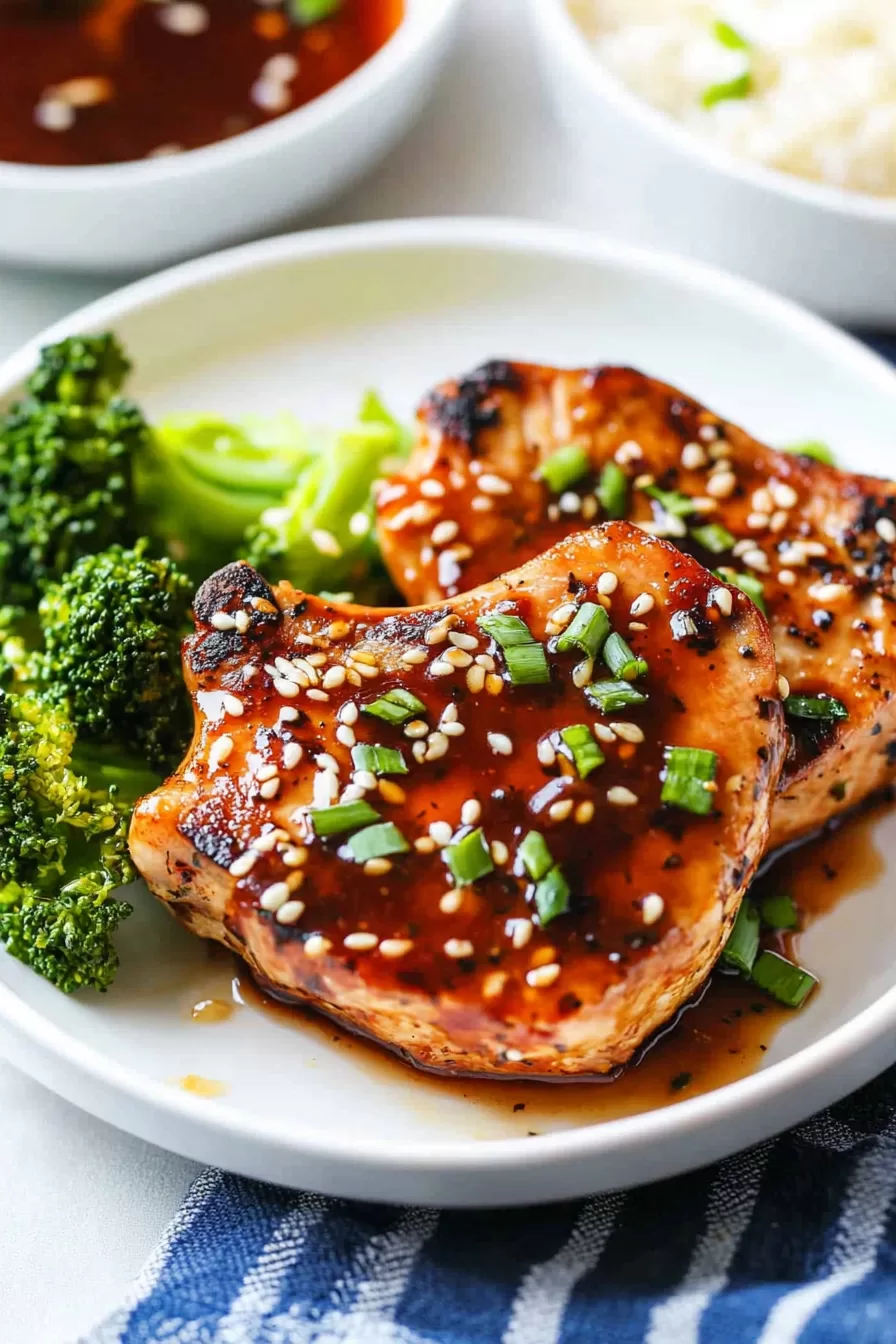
(65, 488)
(80, 371)
(112, 631)
(63, 847)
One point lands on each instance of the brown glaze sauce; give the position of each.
(107, 82)
(719, 1039)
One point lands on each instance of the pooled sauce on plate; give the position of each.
(115, 80)
(714, 1041)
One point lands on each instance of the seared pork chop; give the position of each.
(504, 834)
(815, 545)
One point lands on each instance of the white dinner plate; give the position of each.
(307, 322)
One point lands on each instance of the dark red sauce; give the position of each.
(107, 82)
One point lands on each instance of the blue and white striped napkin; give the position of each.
(792, 1241)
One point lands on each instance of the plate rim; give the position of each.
(602, 1139)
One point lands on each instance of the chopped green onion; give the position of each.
(612, 490)
(785, 981)
(469, 859)
(378, 760)
(505, 630)
(306, 12)
(608, 696)
(341, 817)
(779, 911)
(729, 37)
(377, 842)
(585, 752)
(747, 583)
(587, 631)
(742, 946)
(395, 707)
(552, 896)
(620, 659)
(815, 707)
(535, 855)
(814, 448)
(739, 87)
(713, 538)
(671, 501)
(564, 467)
(688, 769)
(527, 664)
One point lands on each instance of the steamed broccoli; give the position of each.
(63, 846)
(66, 466)
(112, 629)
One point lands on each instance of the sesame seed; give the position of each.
(290, 913)
(451, 901)
(462, 641)
(348, 714)
(449, 714)
(494, 984)
(270, 788)
(499, 852)
(377, 867)
(250, 670)
(391, 792)
(393, 948)
(470, 812)
(432, 489)
(500, 744)
(628, 452)
(493, 684)
(542, 977)
(294, 856)
(708, 433)
(441, 832)
(756, 559)
(271, 95)
(244, 864)
(784, 495)
(603, 733)
(886, 530)
(274, 896)
(734, 784)
(438, 633)
(787, 577)
(636, 625)
(317, 695)
(491, 484)
(453, 729)
(513, 1056)
(722, 599)
(288, 714)
(570, 502)
(444, 532)
(317, 946)
(425, 844)
(485, 660)
(829, 592)
(607, 583)
(283, 67)
(436, 746)
(338, 629)
(186, 18)
(414, 657)
(325, 542)
(562, 615)
(545, 753)
(268, 840)
(233, 705)
(288, 689)
(762, 501)
(352, 793)
(757, 522)
(642, 482)
(360, 942)
(457, 657)
(783, 687)
(266, 772)
(652, 907)
(359, 524)
(585, 812)
(721, 485)
(416, 728)
(220, 750)
(54, 114)
(642, 604)
(620, 796)
(629, 732)
(583, 672)
(778, 520)
(481, 504)
(365, 779)
(221, 620)
(560, 810)
(241, 621)
(458, 948)
(333, 677)
(519, 931)
(346, 735)
(418, 751)
(325, 788)
(693, 457)
(589, 507)
(290, 671)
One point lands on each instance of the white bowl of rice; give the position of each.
(757, 134)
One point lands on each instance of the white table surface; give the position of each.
(82, 1203)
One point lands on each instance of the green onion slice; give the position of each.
(671, 501)
(612, 490)
(535, 855)
(527, 664)
(341, 817)
(729, 37)
(747, 583)
(588, 631)
(377, 842)
(608, 696)
(687, 770)
(581, 746)
(779, 912)
(713, 538)
(469, 859)
(815, 707)
(783, 979)
(506, 630)
(814, 448)
(564, 467)
(552, 896)
(742, 946)
(395, 707)
(620, 659)
(378, 760)
(306, 12)
(739, 87)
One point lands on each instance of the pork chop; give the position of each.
(504, 834)
(488, 487)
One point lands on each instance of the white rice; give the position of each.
(823, 98)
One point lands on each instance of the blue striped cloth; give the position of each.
(794, 1240)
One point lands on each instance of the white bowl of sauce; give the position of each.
(136, 132)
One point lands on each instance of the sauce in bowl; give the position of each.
(117, 80)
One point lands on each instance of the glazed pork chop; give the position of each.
(516, 456)
(503, 834)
